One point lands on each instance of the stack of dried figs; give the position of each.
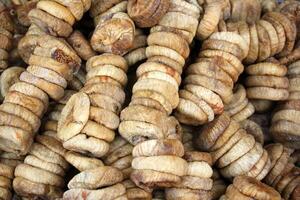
(149, 99)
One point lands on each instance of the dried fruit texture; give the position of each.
(137, 53)
(91, 116)
(28, 43)
(273, 34)
(51, 65)
(233, 150)
(6, 36)
(288, 182)
(182, 19)
(213, 13)
(53, 115)
(267, 81)
(100, 7)
(158, 163)
(245, 187)
(249, 10)
(9, 77)
(285, 118)
(8, 163)
(197, 182)
(56, 17)
(99, 183)
(120, 156)
(81, 45)
(147, 14)
(254, 129)
(209, 81)
(291, 9)
(283, 176)
(114, 34)
(146, 123)
(292, 57)
(46, 161)
(46, 158)
(240, 108)
(279, 156)
(289, 27)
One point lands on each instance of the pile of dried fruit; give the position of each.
(150, 99)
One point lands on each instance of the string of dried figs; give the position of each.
(9, 160)
(266, 82)
(273, 34)
(120, 156)
(209, 81)
(240, 108)
(285, 123)
(76, 40)
(87, 125)
(283, 176)
(145, 121)
(219, 185)
(233, 150)
(182, 18)
(56, 17)
(43, 172)
(51, 65)
(88, 121)
(245, 187)
(197, 183)
(6, 35)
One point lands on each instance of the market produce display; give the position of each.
(149, 99)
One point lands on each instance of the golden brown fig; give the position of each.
(147, 15)
(114, 34)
